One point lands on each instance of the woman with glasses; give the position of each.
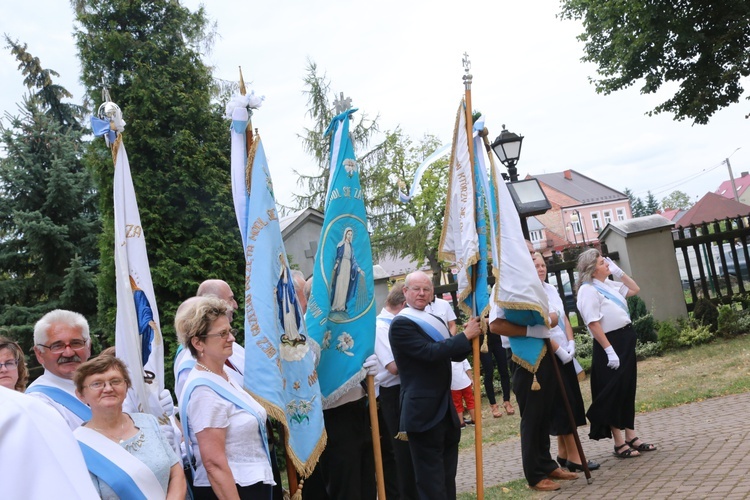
(126, 454)
(13, 373)
(224, 426)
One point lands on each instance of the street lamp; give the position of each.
(575, 239)
(507, 147)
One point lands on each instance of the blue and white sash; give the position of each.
(226, 393)
(617, 299)
(64, 398)
(432, 325)
(125, 474)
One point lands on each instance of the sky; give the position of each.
(402, 61)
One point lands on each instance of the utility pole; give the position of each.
(731, 178)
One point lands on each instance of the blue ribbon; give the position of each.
(59, 396)
(617, 300)
(106, 470)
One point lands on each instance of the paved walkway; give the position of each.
(704, 452)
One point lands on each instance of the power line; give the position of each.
(671, 185)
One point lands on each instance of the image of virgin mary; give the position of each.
(345, 273)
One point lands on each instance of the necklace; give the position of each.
(130, 447)
(204, 367)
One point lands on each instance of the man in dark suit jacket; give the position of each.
(423, 350)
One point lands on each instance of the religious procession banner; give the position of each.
(459, 241)
(341, 311)
(279, 355)
(138, 340)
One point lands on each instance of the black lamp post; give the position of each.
(507, 147)
(576, 217)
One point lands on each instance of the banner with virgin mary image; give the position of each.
(341, 310)
(279, 356)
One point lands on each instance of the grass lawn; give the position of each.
(679, 377)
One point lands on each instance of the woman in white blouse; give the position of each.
(226, 430)
(604, 309)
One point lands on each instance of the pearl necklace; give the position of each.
(204, 367)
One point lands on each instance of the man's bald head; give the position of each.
(299, 289)
(220, 289)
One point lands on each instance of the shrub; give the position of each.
(585, 364)
(645, 329)
(647, 350)
(669, 335)
(695, 336)
(743, 323)
(728, 321)
(706, 313)
(584, 346)
(637, 307)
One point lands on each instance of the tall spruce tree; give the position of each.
(147, 51)
(49, 221)
(652, 204)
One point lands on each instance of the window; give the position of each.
(576, 227)
(536, 236)
(607, 216)
(620, 214)
(596, 222)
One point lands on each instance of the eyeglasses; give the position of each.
(100, 384)
(58, 347)
(419, 289)
(11, 364)
(223, 334)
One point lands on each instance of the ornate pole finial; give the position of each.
(105, 91)
(243, 90)
(467, 67)
(342, 104)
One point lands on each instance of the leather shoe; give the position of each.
(561, 474)
(573, 467)
(545, 485)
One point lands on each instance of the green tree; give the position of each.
(177, 143)
(49, 221)
(321, 109)
(699, 46)
(676, 200)
(652, 205)
(406, 229)
(636, 204)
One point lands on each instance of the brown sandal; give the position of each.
(496, 413)
(509, 410)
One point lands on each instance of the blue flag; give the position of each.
(341, 311)
(279, 356)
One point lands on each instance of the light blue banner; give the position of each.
(279, 361)
(341, 311)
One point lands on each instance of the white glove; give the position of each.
(168, 432)
(614, 360)
(371, 365)
(537, 331)
(571, 348)
(166, 403)
(564, 355)
(614, 268)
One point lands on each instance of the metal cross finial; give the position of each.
(467, 68)
(342, 104)
(105, 91)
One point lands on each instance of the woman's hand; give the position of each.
(612, 357)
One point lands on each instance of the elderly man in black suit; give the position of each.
(423, 350)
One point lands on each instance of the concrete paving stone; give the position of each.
(720, 444)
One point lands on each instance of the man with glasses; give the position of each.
(423, 350)
(61, 344)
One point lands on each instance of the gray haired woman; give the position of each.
(604, 309)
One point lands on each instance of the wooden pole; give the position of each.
(291, 472)
(375, 426)
(475, 342)
(569, 410)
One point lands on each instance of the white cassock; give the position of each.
(39, 457)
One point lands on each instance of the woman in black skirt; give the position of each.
(561, 337)
(603, 307)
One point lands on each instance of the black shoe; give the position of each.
(573, 467)
(563, 462)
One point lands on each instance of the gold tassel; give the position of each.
(535, 384)
(298, 494)
(483, 348)
(401, 436)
